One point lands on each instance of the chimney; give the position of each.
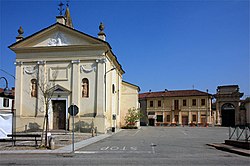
(101, 34)
(20, 34)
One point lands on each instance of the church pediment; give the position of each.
(58, 89)
(55, 36)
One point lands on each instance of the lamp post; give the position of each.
(6, 90)
(207, 108)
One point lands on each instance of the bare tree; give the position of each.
(46, 87)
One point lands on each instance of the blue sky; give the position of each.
(163, 44)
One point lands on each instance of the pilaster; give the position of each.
(75, 86)
(18, 89)
(43, 81)
(189, 116)
(173, 119)
(180, 118)
(199, 116)
(100, 90)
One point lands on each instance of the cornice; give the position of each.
(68, 48)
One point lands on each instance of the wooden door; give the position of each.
(59, 114)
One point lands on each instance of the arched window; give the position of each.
(85, 87)
(33, 88)
(113, 88)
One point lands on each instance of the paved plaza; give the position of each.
(146, 146)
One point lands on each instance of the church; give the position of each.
(60, 66)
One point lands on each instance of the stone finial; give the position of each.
(20, 34)
(101, 34)
(101, 27)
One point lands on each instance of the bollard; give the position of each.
(93, 131)
(51, 143)
(48, 138)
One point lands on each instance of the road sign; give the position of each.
(73, 110)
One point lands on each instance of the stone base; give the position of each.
(239, 144)
(100, 123)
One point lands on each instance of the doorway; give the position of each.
(184, 120)
(151, 122)
(228, 115)
(59, 114)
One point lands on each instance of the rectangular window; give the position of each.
(151, 103)
(184, 102)
(203, 102)
(194, 118)
(194, 102)
(151, 113)
(159, 118)
(5, 102)
(176, 104)
(159, 103)
(168, 118)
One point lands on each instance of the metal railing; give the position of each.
(239, 134)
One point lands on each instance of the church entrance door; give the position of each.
(228, 115)
(59, 114)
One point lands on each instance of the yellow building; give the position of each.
(178, 107)
(78, 68)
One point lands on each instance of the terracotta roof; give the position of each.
(173, 93)
(12, 95)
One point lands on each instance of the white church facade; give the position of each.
(79, 68)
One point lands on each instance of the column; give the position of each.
(218, 120)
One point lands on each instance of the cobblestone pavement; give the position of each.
(61, 140)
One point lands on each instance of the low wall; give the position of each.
(239, 144)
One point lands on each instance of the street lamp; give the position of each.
(6, 90)
(108, 72)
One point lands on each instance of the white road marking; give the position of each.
(153, 147)
(184, 133)
(95, 152)
(86, 152)
(136, 132)
(117, 148)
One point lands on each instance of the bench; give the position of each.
(25, 137)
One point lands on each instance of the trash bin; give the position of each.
(113, 129)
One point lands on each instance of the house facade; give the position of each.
(78, 68)
(6, 113)
(130, 96)
(178, 107)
